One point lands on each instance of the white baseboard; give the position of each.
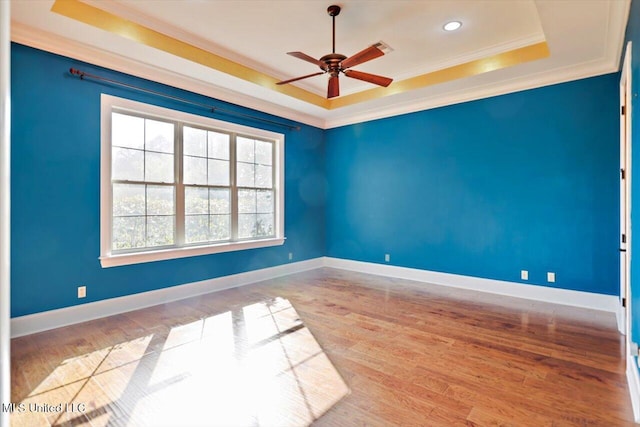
(33, 323)
(590, 300)
(633, 381)
(29, 324)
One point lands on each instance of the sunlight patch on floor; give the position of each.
(251, 365)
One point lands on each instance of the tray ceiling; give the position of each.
(236, 50)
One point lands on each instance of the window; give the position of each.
(176, 185)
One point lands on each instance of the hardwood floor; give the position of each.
(332, 348)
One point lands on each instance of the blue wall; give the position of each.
(55, 231)
(525, 181)
(487, 188)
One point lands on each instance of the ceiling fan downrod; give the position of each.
(333, 11)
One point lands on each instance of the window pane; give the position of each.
(264, 225)
(245, 150)
(128, 199)
(245, 174)
(195, 170)
(264, 153)
(158, 167)
(246, 225)
(194, 141)
(219, 201)
(218, 172)
(218, 145)
(196, 228)
(220, 228)
(196, 200)
(160, 230)
(128, 232)
(264, 201)
(160, 200)
(159, 136)
(127, 131)
(247, 201)
(127, 164)
(264, 176)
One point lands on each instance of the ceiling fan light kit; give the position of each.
(336, 63)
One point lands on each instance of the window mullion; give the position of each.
(234, 187)
(179, 186)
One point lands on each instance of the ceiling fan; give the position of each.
(336, 63)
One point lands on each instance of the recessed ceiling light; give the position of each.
(452, 26)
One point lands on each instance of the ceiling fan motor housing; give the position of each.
(333, 61)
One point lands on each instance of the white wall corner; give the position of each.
(633, 382)
(38, 322)
(609, 303)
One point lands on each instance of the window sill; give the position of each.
(174, 253)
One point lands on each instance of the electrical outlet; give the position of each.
(551, 277)
(82, 291)
(524, 275)
(290, 256)
(387, 257)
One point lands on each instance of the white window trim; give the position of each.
(107, 258)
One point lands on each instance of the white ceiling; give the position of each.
(584, 38)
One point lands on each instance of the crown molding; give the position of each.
(609, 62)
(618, 18)
(541, 79)
(42, 40)
(53, 43)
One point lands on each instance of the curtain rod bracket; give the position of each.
(73, 71)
